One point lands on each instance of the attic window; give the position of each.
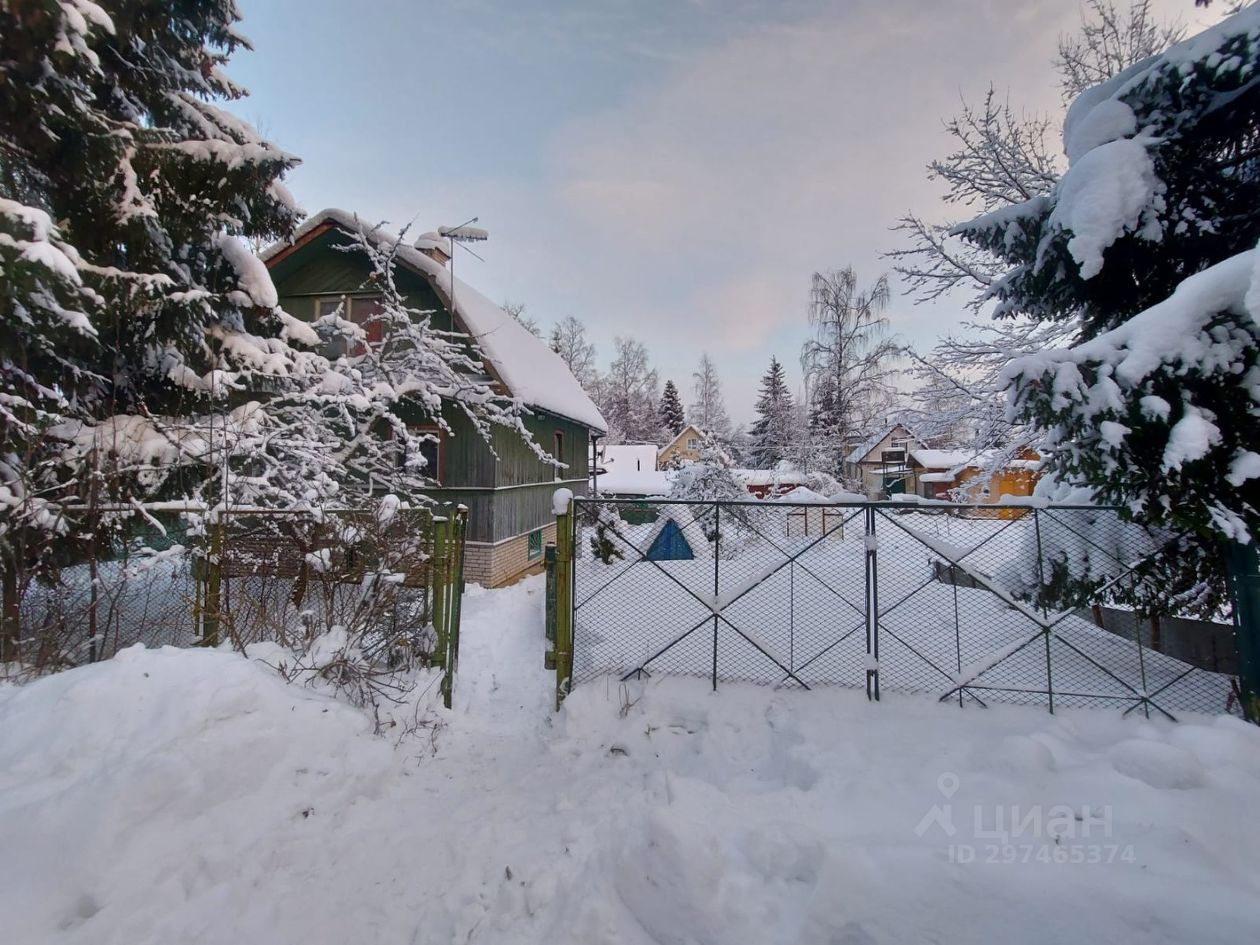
(366, 314)
(326, 307)
(692, 443)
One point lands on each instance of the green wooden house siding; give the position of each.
(507, 489)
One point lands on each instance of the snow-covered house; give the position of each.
(684, 448)
(507, 489)
(970, 476)
(880, 463)
(771, 482)
(623, 457)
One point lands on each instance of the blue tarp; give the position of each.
(670, 545)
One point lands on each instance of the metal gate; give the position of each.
(974, 604)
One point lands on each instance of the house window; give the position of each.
(557, 451)
(535, 544)
(366, 313)
(362, 312)
(692, 443)
(326, 307)
(430, 449)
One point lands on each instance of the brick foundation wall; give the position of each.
(494, 565)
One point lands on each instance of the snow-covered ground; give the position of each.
(186, 796)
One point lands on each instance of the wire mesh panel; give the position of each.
(254, 575)
(288, 577)
(970, 604)
(142, 588)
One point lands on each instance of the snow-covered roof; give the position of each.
(770, 477)
(627, 457)
(936, 477)
(803, 495)
(947, 459)
(529, 369)
(863, 449)
(656, 482)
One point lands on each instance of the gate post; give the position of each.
(717, 587)
(438, 578)
(10, 614)
(456, 532)
(549, 568)
(872, 608)
(564, 595)
(213, 585)
(1244, 584)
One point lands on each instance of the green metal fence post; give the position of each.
(549, 615)
(564, 603)
(213, 586)
(455, 592)
(437, 576)
(1244, 578)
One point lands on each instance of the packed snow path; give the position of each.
(193, 797)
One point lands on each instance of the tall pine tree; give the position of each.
(673, 417)
(772, 432)
(126, 197)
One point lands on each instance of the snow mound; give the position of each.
(1158, 764)
(192, 797)
(132, 761)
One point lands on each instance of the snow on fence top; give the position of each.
(530, 370)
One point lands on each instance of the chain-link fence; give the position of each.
(971, 604)
(391, 579)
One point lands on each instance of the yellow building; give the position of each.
(966, 476)
(684, 448)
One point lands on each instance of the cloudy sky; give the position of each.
(664, 169)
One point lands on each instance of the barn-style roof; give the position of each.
(522, 362)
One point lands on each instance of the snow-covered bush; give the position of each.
(709, 479)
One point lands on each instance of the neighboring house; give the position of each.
(967, 475)
(624, 457)
(507, 489)
(881, 462)
(627, 471)
(764, 483)
(631, 484)
(684, 448)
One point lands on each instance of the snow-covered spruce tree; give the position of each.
(708, 409)
(1149, 238)
(772, 434)
(125, 309)
(1001, 158)
(673, 417)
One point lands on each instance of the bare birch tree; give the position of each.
(846, 363)
(568, 339)
(708, 410)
